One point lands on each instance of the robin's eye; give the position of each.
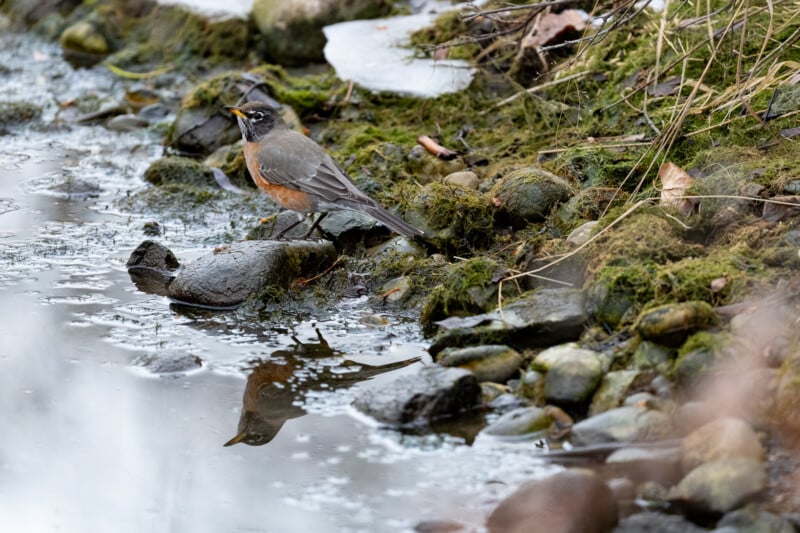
(257, 115)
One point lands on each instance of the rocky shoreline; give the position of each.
(652, 352)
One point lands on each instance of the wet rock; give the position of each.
(551, 504)
(397, 247)
(433, 392)
(531, 386)
(494, 362)
(752, 519)
(647, 464)
(152, 228)
(230, 276)
(84, 44)
(529, 423)
(572, 377)
(582, 233)
(152, 267)
(545, 318)
(179, 170)
(282, 21)
(169, 363)
(126, 122)
(464, 178)
(720, 439)
(671, 324)
(623, 424)
(653, 522)
(720, 486)
(528, 195)
(614, 388)
(397, 289)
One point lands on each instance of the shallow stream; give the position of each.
(95, 440)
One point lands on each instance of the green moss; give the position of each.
(179, 170)
(468, 288)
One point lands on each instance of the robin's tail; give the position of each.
(390, 221)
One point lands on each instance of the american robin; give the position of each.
(297, 173)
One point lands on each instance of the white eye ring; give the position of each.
(258, 115)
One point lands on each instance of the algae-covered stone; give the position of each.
(671, 324)
(291, 30)
(651, 356)
(493, 362)
(613, 389)
(527, 195)
(695, 359)
(179, 170)
(468, 288)
(18, 112)
(720, 486)
(453, 218)
(524, 422)
(85, 39)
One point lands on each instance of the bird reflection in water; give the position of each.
(277, 385)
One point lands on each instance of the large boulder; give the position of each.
(282, 21)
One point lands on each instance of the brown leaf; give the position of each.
(776, 212)
(555, 27)
(675, 184)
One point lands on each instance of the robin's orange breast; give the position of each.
(287, 198)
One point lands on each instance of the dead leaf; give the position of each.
(776, 212)
(555, 27)
(675, 184)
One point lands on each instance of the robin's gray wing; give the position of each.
(293, 160)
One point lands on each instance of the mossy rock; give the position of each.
(618, 291)
(468, 289)
(85, 40)
(179, 170)
(454, 219)
(18, 112)
(528, 195)
(587, 204)
(671, 324)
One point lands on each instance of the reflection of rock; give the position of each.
(274, 390)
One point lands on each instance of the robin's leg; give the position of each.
(288, 228)
(315, 225)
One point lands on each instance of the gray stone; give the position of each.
(547, 317)
(582, 233)
(651, 356)
(434, 392)
(525, 422)
(754, 520)
(464, 178)
(152, 267)
(573, 377)
(569, 501)
(653, 522)
(720, 486)
(229, 276)
(671, 324)
(720, 439)
(493, 362)
(127, 122)
(643, 464)
(623, 424)
(397, 289)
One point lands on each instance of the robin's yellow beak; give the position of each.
(235, 110)
(238, 438)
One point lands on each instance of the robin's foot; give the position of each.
(315, 225)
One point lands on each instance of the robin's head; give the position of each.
(256, 119)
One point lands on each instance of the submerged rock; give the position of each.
(545, 318)
(494, 362)
(434, 392)
(228, 277)
(569, 501)
(720, 486)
